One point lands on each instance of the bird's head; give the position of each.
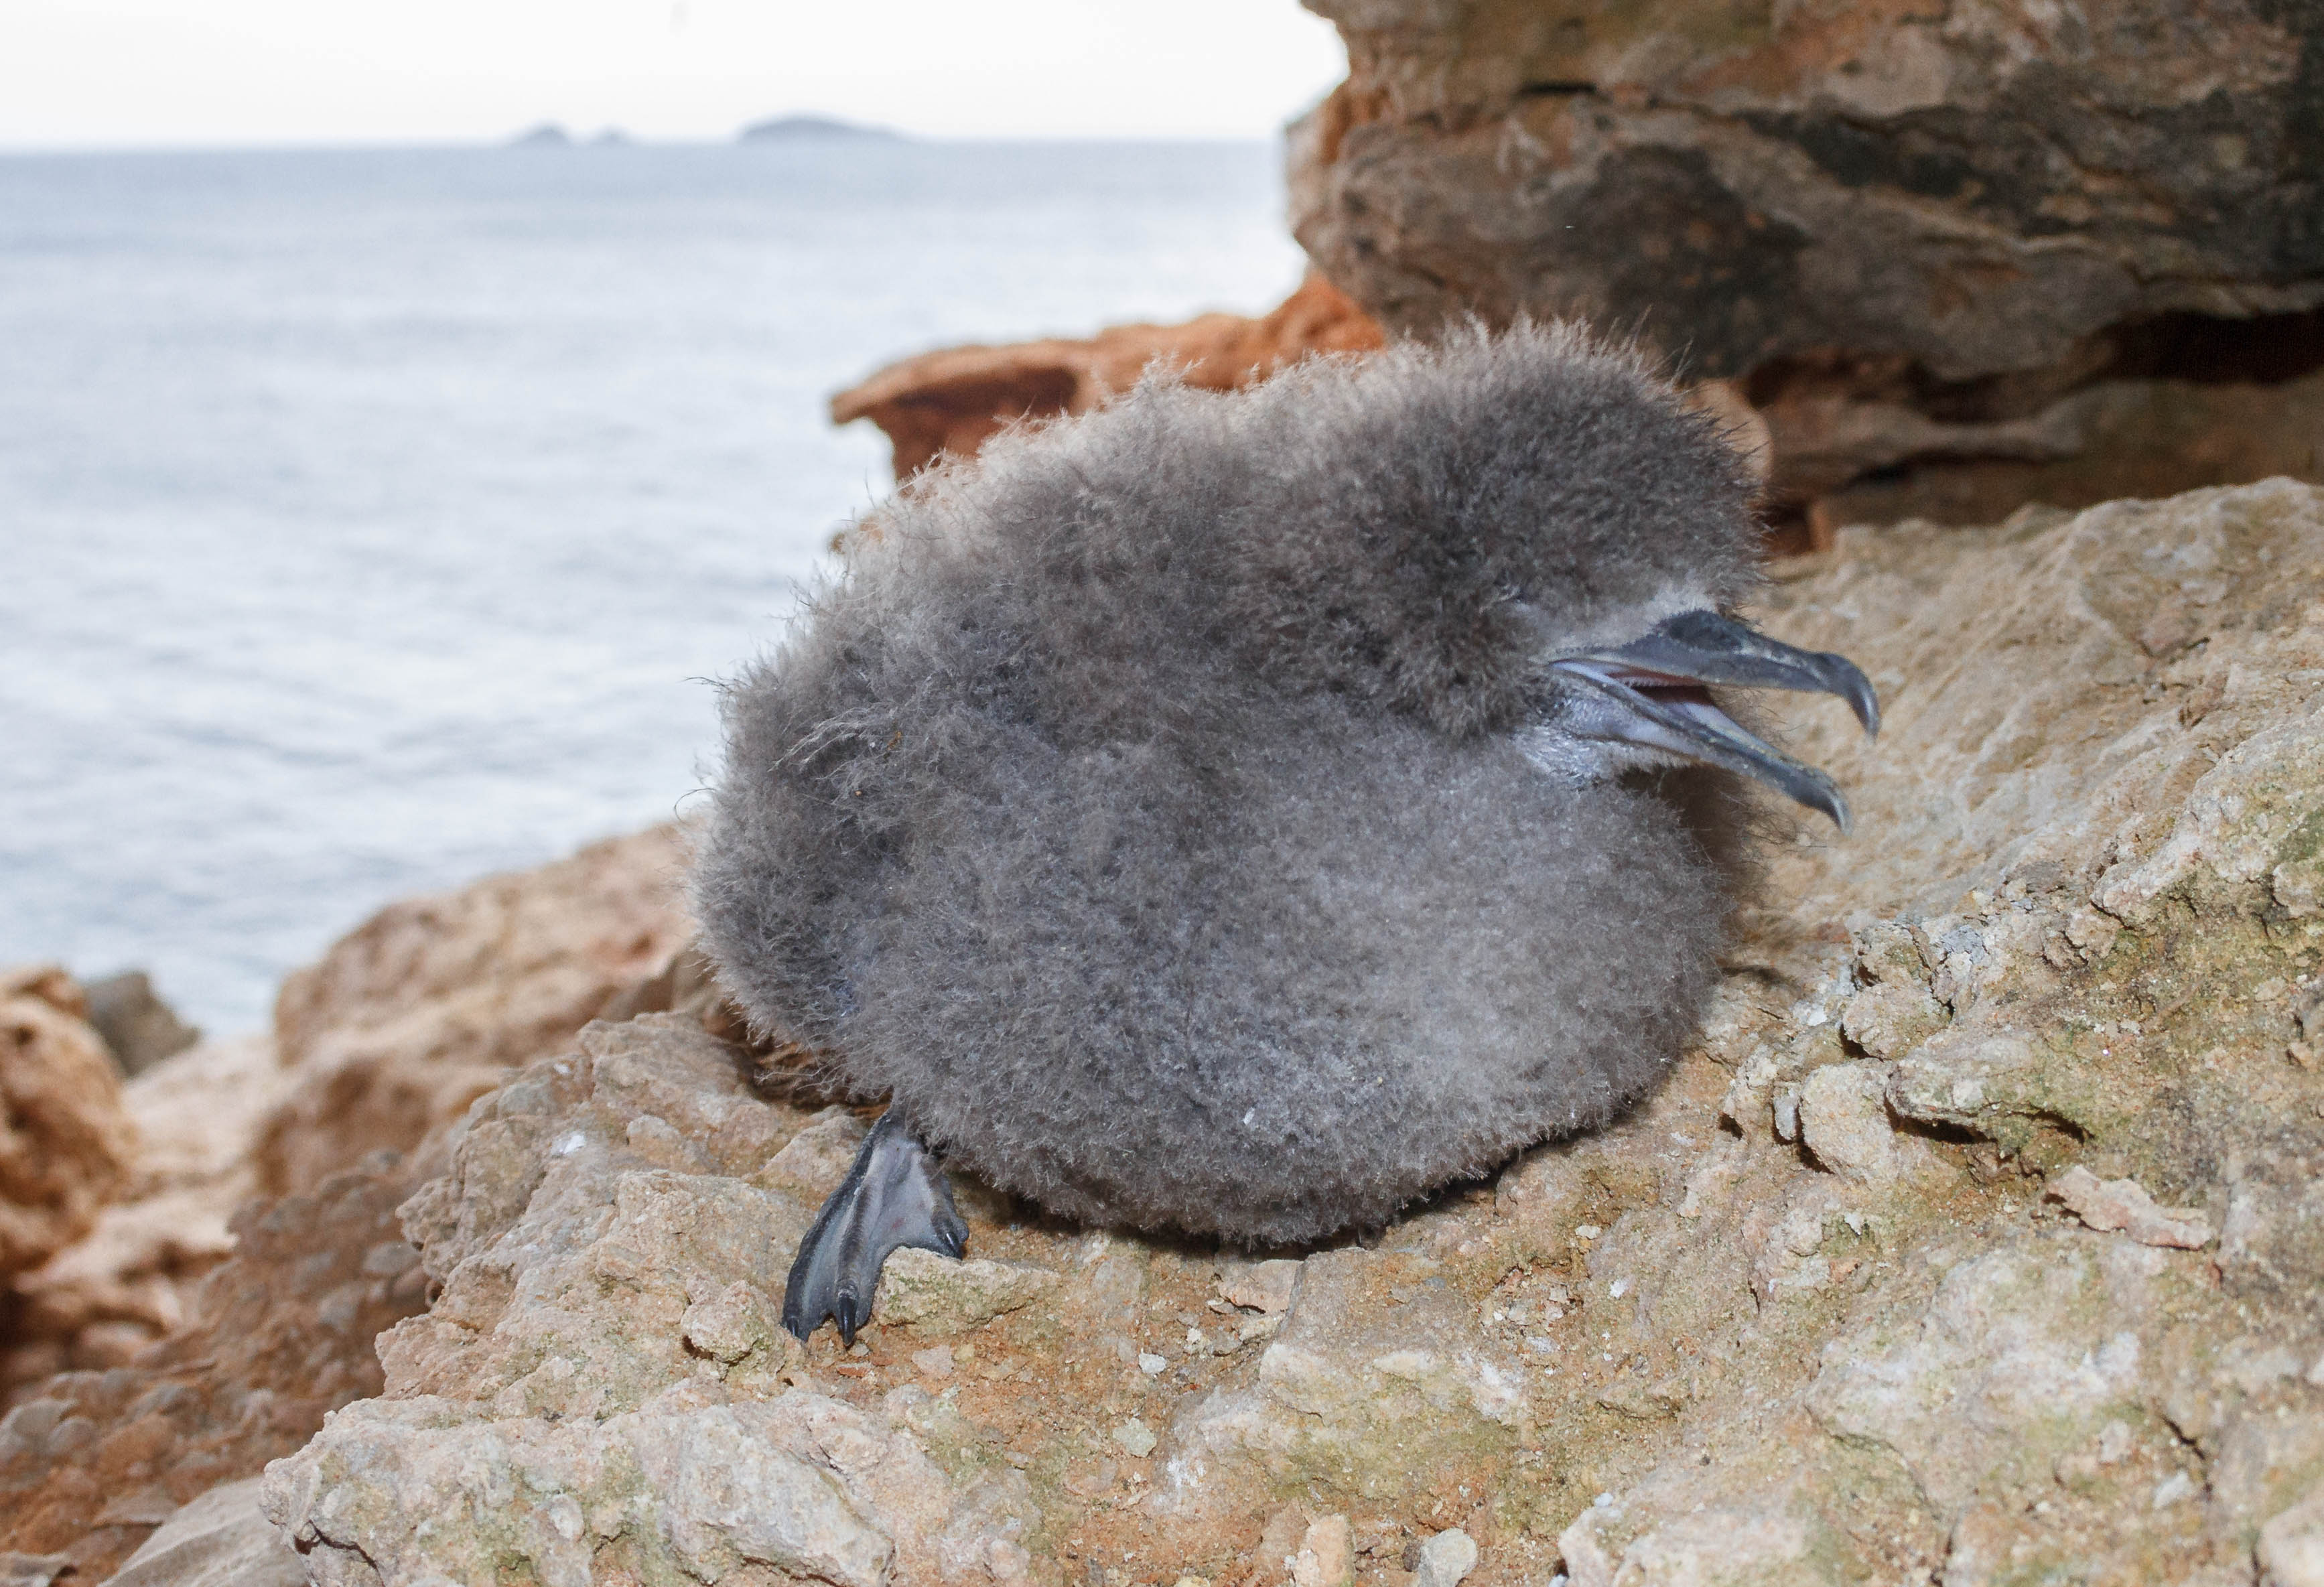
(1526, 534)
(1597, 709)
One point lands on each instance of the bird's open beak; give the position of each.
(1653, 694)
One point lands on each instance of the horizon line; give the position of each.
(607, 137)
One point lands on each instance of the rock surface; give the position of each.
(603, 1392)
(434, 1001)
(385, 1043)
(219, 1539)
(131, 1280)
(2029, 253)
(1811, 1314)
(92, 1462)
(139, 1028)
(954, 400)
(1978, 191)
(66, 1141)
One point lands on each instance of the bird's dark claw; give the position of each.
(894, 1195)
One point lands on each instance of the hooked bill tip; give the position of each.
(1858, 691)
(1837, 808)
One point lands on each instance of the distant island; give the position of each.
(549, 135)
(783, 129)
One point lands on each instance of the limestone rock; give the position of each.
(1700, 1346)
(1959, 260)
(1269, 1286)
(1778, 183)
(1446, 1560)
(2035, 1345)
(2291, 1546)
(816, 1159)
(1999, 1086)
(1326, 1556)
(601, 1384)
(711, 1489)
(1767, 1542)
(1895, 1011)
(131, 1279)
(139, 1028)
(1838, 439)
(219, 1539)
(66, 1141)
(434, 1001)
(1844, 1123)
(91, 1461)
(936, 1294)
(954, 400)
(2124, 1205)
(31, 1570)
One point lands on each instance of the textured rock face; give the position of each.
(603, 1392)
(1977, 189)
(65, 1140)
(91, 1461)
(433, 1000)
(1980, 1240)
(2013, 245)
(131, 1280)
(264, 1318)
(139, 1028)
(954, 400)
(218, 1540)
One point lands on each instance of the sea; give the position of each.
(375, 519)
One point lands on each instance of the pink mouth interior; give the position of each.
(1661, 686)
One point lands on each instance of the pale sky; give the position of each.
(146, 73)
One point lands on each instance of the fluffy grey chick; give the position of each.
(1243, 813)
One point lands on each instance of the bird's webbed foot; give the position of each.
(894, 1195)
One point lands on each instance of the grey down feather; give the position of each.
(1140, 809)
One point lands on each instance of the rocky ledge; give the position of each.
(1958, 257)
(1980, 1239)
(955, 399)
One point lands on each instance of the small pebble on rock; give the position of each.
(1327, 1555)
(1445, 1560)
(2123, 1205)
(1267, 1287)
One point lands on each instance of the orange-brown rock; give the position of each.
(131, 1280)
(433, 1000)
(954, 399)
(66, 1140)
(91, 1461)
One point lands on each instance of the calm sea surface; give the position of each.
(370, 520)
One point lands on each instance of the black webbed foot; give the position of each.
(894, 1195)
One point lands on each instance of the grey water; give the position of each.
(373, 519)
